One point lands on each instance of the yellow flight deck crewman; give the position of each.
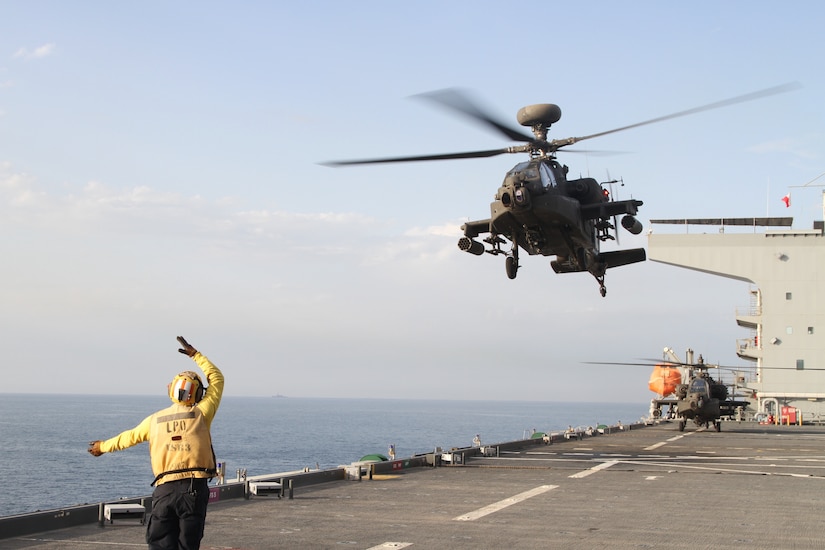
(180, 447)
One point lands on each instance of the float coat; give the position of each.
(180, 444)
(192, 427)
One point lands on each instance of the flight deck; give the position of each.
(750, 486)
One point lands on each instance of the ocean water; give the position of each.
(43, 438)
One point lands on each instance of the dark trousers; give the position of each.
(178, 515)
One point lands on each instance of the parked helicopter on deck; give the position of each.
(701, 398)
(696, 395)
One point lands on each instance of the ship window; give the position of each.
(788, 296)
(800, 364)
(788, 330)
(810, 330)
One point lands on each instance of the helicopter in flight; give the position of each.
(537, 208)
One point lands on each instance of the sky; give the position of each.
(161, 175)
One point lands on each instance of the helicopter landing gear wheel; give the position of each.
(602, 288)
(718, 425)
(511, 262)
(511, 266)
(682, 423)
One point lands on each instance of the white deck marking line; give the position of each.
(391, 545)
(666, 441)
(68, 543)
(728, 470)
(496, 506)
(684, 457)
(594, 469)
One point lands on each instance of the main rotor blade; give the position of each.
(716, 105)
(447, 156)
(672, 364)
(455, 99)
(660, 363)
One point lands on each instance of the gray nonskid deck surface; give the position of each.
(749, 486)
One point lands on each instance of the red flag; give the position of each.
(787, 200)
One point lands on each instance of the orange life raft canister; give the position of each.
(663, 380)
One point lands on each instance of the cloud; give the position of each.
(102, 211)
(787, 146)
(38, 53)
(5, 82)
(338, 292)
(452, 229)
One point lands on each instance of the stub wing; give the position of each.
(728, 407)
(476, 228)
(604, 210)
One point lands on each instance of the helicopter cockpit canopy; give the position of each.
(534, 175)
(699, 385)
(549, 177)
(524, 174)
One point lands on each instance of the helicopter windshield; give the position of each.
(527, 175)
(699, 385)
(548, 178)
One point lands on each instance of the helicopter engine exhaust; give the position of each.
(632, 224)
(469, 245)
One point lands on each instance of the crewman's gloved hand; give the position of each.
(186, 349)
(94, 448)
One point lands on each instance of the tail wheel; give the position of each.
(602, 288)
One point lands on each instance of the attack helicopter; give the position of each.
(701, 398)
(537, 208)
(697, 396)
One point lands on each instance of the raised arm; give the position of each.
(214, 379)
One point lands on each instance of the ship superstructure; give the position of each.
(785, 319)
